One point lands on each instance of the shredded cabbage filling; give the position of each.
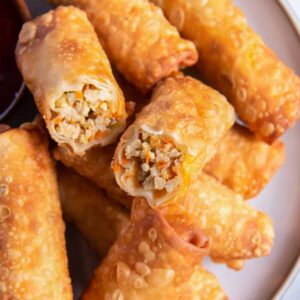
(84, 115)
(157, 161)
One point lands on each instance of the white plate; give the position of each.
(261, 278)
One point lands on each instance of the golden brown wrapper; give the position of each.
(244, 163)
(95, 165)
(100, 219)
(138, 39)
(59, 56)
(234, 59)
(150, 259)
(203, 285)
(33, 259)
(186, 112)
(236, 230)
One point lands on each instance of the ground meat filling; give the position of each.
(157, 161)
(83, 115)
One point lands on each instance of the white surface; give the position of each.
(261, 278)
(281, 199)
(292, 8)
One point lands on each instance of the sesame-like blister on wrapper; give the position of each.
(171, 139)
(138, 39)
(151, 259)
(99, 218)
(233, 59)
(33, 258)
(69, 75)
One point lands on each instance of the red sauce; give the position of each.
(10, 78)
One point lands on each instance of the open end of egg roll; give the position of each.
(152, 165)
(83, 117)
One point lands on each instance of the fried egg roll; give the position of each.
(100, 219)
(150, 259)
(235, 60)
(171, 139)
(244, 163)
(96, 166)
(67, 71)
(138, 39)
(203, 285)
(236, 230)
(33, 259)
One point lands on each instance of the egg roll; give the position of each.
(33, 259)
(100, 219)
(171, 138)
(150, 259)
(235, 60)
(236, 230)
(138, 39)
(244, 163)
(96, 166)
(69, 75)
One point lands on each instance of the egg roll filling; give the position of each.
(157, 162)
(84, 115)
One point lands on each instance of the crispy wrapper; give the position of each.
(100, 219)
(33, 259)
(174, 136)
(203, 285)
(138, 39)
(234, 59)
(95, 165)
(236, 230)
(150, 259)
(67, 71)
(244, 163)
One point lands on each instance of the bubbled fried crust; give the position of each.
(191, 114)
(234, 59)
(138, 39)
(237, 231)
(149, 260)
(33, 260)
(58, 52)
(99, 218)
(95, 165)
(244, 163)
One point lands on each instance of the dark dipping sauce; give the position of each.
(10, 78)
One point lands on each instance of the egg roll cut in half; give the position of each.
(33, 259)
(171, 138)
(235, 60)
(138, 39)
(99, 218)
(244, 163)
(67, 71)
(236, 230)
(150, 259)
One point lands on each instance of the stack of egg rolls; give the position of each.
(235, 60)
(33, 260)
(138, 39)
(69, 75)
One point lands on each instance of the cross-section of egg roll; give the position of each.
(99, 218)
(33, 260)
(236, 230)
(244, 163)
(234, 59)
(150, 259)
(138, 39)
(171, 138)
(67, 71)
